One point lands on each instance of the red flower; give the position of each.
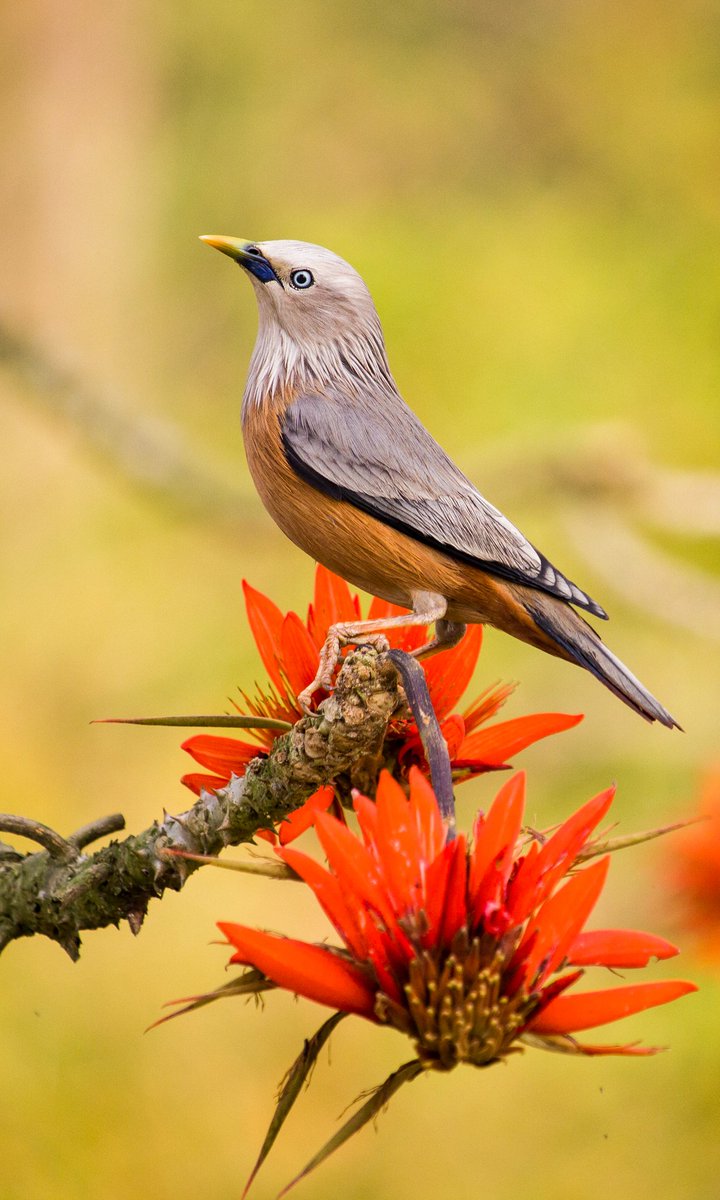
(289, 650)
(696, 868)
(465, 947)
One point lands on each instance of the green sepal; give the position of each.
(290, 1087)
(377, 1100)
(250, 983)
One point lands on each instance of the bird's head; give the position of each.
(315, 310)
(313, 294)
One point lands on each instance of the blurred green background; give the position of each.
(531, 192)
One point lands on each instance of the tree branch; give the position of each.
(60, 891)
(149, 452)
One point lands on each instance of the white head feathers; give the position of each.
(317, 321)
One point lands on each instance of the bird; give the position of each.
(352, 477)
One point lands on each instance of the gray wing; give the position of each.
(380, 458)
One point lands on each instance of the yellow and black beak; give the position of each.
(246, 254)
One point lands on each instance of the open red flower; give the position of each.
(466, 947)
(289, 649)
(470, 947)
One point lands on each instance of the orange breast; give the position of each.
(368, 553)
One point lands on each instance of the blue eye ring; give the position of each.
(302, 279)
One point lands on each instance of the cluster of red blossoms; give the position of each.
(469, 947)
(289, 649)
(465, 945)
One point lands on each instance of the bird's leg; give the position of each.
(447, 635)
(427, 607)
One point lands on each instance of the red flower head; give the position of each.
(289, 649)
(696, 868)
(465, 947)
(468, 947)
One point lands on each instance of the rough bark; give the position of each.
(61, 890)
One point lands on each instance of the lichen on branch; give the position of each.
(61, 890)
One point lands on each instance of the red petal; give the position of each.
(495, 744)
(436, 880)
(455, 913)
(448, 673)
(204, 783)
(398, 844)
(618, 948)
(227, 756)
(311, 971)
(354, 866)
(267, 835)
(380, 610)
(587, 1009)
(453, 730)
(298, 654)
(355, 926)
(332, 604)
(538, 874)
(383, 956)
(302, 818)
(329, 895)
(265, 621)
(559, 921)
(424, 807)
(367, 818)
(495, 837)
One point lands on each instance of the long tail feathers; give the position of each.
(580, 641)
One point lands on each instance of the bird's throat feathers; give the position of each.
(283, 363)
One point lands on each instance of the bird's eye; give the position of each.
(302, 279)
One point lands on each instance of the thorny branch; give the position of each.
(59, 890)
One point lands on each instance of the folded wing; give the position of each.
(384, 461)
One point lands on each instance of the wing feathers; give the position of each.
(380, 458)
(582, 643)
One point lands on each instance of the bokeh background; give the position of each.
(531, 191)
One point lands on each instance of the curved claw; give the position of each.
(305, 696)
(330, 657)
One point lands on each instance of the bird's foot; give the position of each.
(428, 607)
(338, 636)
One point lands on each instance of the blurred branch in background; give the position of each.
(644, 575)
(603, 486)
(608, 464)
(607, 495)
(143, 450)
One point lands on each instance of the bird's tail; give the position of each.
(583, 645)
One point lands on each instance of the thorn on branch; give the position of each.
(135, 919)
(71, 946)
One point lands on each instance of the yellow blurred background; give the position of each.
(531, 192)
